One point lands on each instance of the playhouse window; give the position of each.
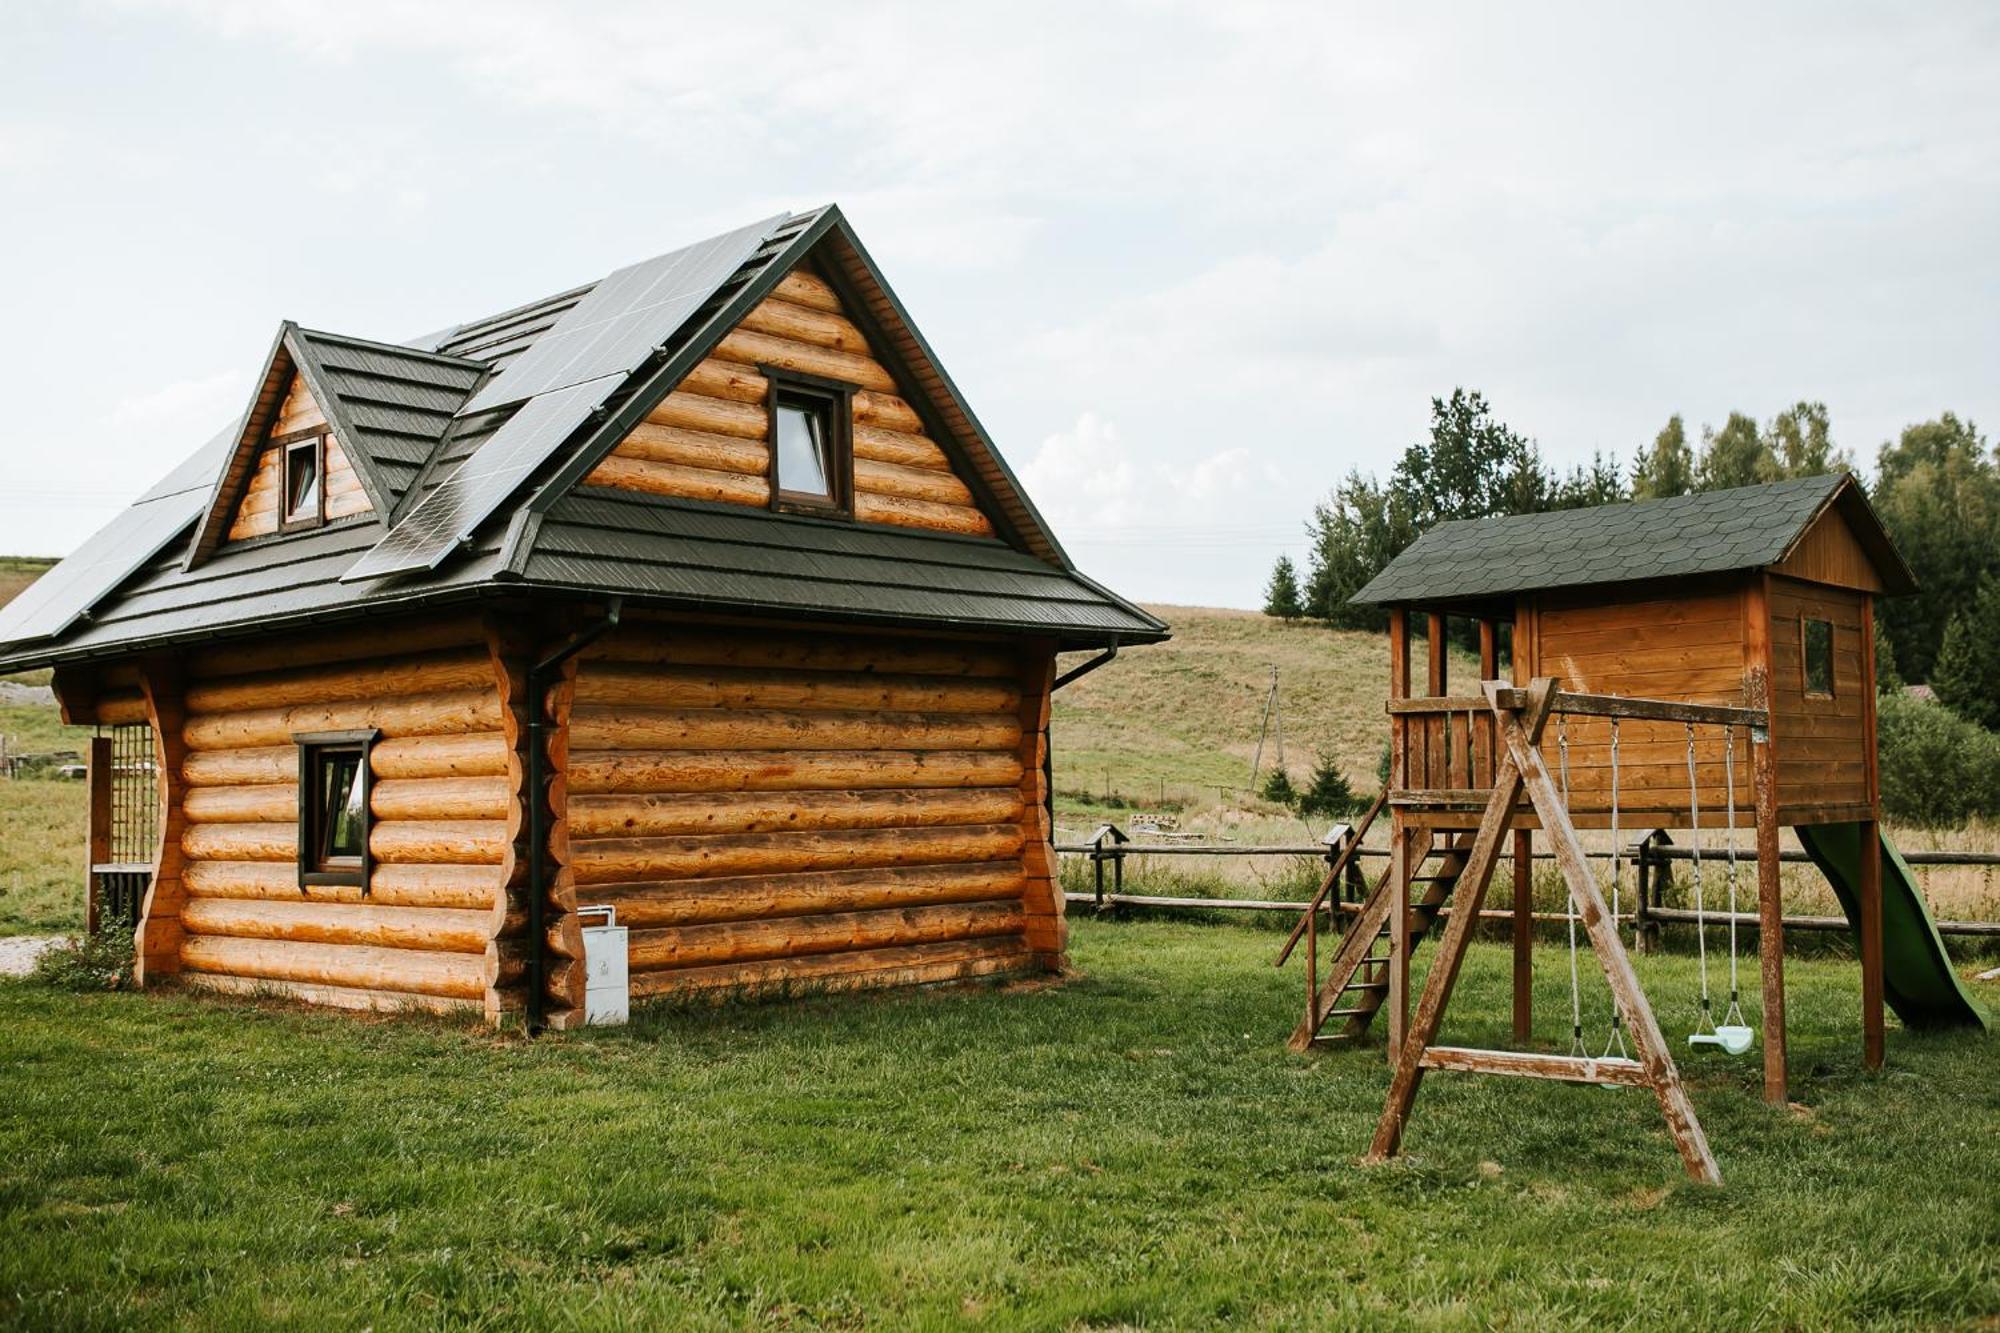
(811, 450)
(1816, 650)
(303, 486)
(334, 817)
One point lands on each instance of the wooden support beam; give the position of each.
(1468, 896)
(1647, 710)
(1770, 907)
(97, 778)
(1524, 934)
(1872, 967)
(1870, 894)
(1532, 1064)
(1633, 1008)
(1403, 855)
(1399, 688)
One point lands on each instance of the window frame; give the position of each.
(1806, 621)
(314, 870)
(836, 398)
(316, 438)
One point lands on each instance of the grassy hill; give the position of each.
(1184, 715)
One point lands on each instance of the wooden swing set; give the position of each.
(1726, 633)
(1519, 770)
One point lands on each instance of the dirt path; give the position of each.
(19, 952)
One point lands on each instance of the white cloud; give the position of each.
(188, 409)
(1256, 236)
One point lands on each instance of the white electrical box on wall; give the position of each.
(607, 993)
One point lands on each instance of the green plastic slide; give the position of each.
(1921, 986)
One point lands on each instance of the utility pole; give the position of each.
(1273, 714)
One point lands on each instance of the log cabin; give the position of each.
(1712, 662)
(696, 592)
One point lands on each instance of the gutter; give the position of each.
(538, 836)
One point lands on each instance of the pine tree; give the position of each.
(1279, 790)
(1281, 594)
(1888, 680)
(1967, 674)
(1327, 794)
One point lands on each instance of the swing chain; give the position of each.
(1735, 1014)
(1617, 1039)
(1576, 1046)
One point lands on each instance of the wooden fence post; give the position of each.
(97, 849)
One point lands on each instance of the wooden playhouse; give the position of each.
(695, 592)
(1698, 663)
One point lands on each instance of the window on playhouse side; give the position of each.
(812, 452)
(1816, 655)
(334, 818)
(305, 482)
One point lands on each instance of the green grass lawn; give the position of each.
(42, 850)
(1135, 1148)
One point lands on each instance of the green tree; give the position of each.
(1281, 594)
(1278, 788)
(1666, 469)
(1597, 482)
(1471, 466)
(1327, 792)
(1355, 532)
(1937, 490)
(1799, 443)
(1967, 674)
(1736, 455)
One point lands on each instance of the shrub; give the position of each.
(1936, 767)
(1278, 789)
(88, 962)
(1328, 794)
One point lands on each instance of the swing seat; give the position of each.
(1730, 1039)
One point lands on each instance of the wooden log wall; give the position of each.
(816, 809)
(1822, 742)
(261, 510)
(707, 440)
(1685, 645)
(433, 928)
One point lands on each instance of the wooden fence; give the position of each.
(1653, 856)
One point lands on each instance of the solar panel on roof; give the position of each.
(616, 327)
(53, 602)
(450, 514)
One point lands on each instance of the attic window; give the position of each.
(1816, 655)
(811, 435)
(304, 487)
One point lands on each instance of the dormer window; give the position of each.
(812, 464)
(305, 487)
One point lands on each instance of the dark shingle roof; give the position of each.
(399, 408)
(388, 404)
(1748, 527)
(694, 552)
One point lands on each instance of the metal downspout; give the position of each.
(538, 837)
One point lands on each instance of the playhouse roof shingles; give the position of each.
(1714, 532)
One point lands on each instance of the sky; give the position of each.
(1189, 263)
